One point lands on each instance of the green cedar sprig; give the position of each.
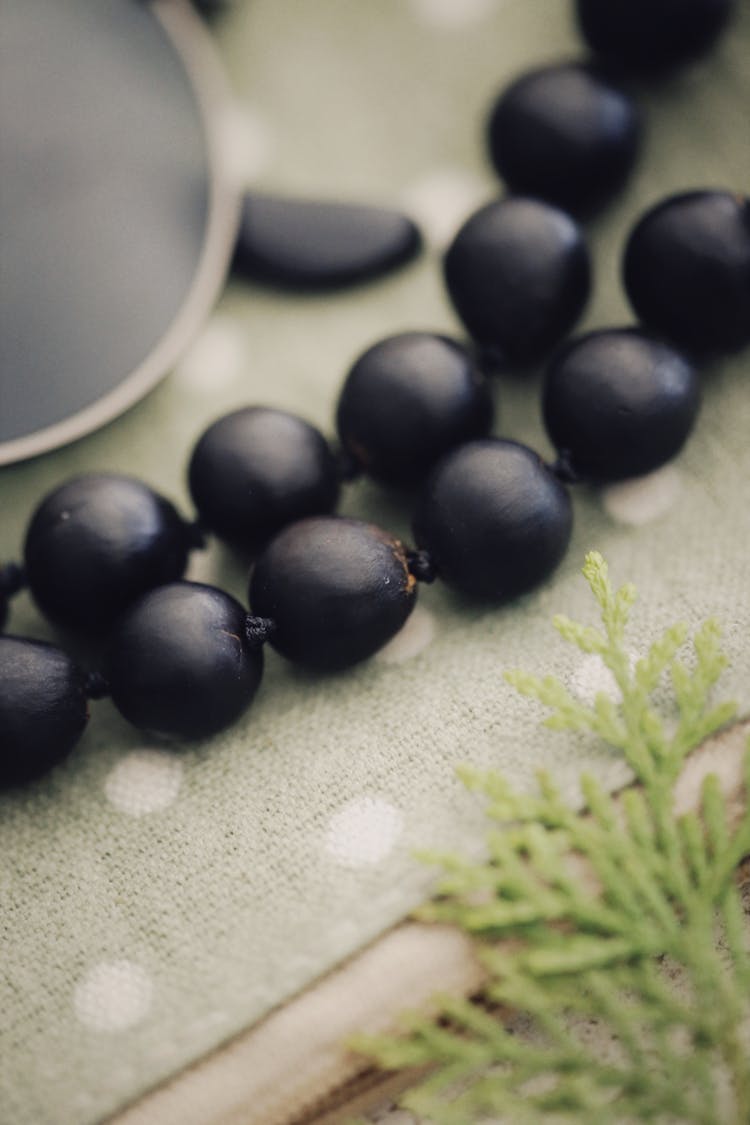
(626, 920)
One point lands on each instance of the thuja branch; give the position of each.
(624, 917)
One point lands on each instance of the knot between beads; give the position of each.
(258, 630)
(421, 566)
(564, 470)
(96, 687)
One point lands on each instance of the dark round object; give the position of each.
(565, 134)
(409, 400)
(312, 245)
(256, 470)
(3, 611)
(518, 275)
(494, 519)
(337, 589)
(43, 708)
(687, 270)
(180, 664)
(96, 544)
(619, 403)
(651, 35)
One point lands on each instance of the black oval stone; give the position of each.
(619, 403)
(336, 588)
(518, 275)
(494, 519)
(651, 35)
(409, 400)
(179, 663)
(96, 544)
(256, 470)
(687, 270)
(43, 708)
(566, 134)
(311, 244)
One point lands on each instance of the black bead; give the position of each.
(494, 519)
(687, 270)
(180, 664)
(256, 470)
(313, 245)
(211, 10)
(518, 274)
(651, 35)
(618, 403)
(43, 708)
(409, 400)
(337, 589)
(565, 134)
(96, 544)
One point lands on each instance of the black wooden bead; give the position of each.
(409, 400)
(307, 244)
(180, 664)
(566, 134)
(518, 275)
(256, 470)
(97, 543)
(336, 588)
(494, 519)
(687, 270)
(651, 35)
(43, 708)
(619, 402)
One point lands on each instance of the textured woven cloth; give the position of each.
(156, 902)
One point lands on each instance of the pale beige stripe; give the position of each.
(291, 1060)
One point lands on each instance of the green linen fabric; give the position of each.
(155, 902)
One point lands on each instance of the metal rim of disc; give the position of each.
(195, 50)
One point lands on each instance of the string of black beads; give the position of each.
(105, 554)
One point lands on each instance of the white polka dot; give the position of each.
(643, 499)
(246, 144)
(443, 199)
(415, 635)
(215, 359)
(363, 832)
(144, 781)
(593, 676)
(449, 14)
(113, 996)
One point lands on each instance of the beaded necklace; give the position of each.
(106, 554)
